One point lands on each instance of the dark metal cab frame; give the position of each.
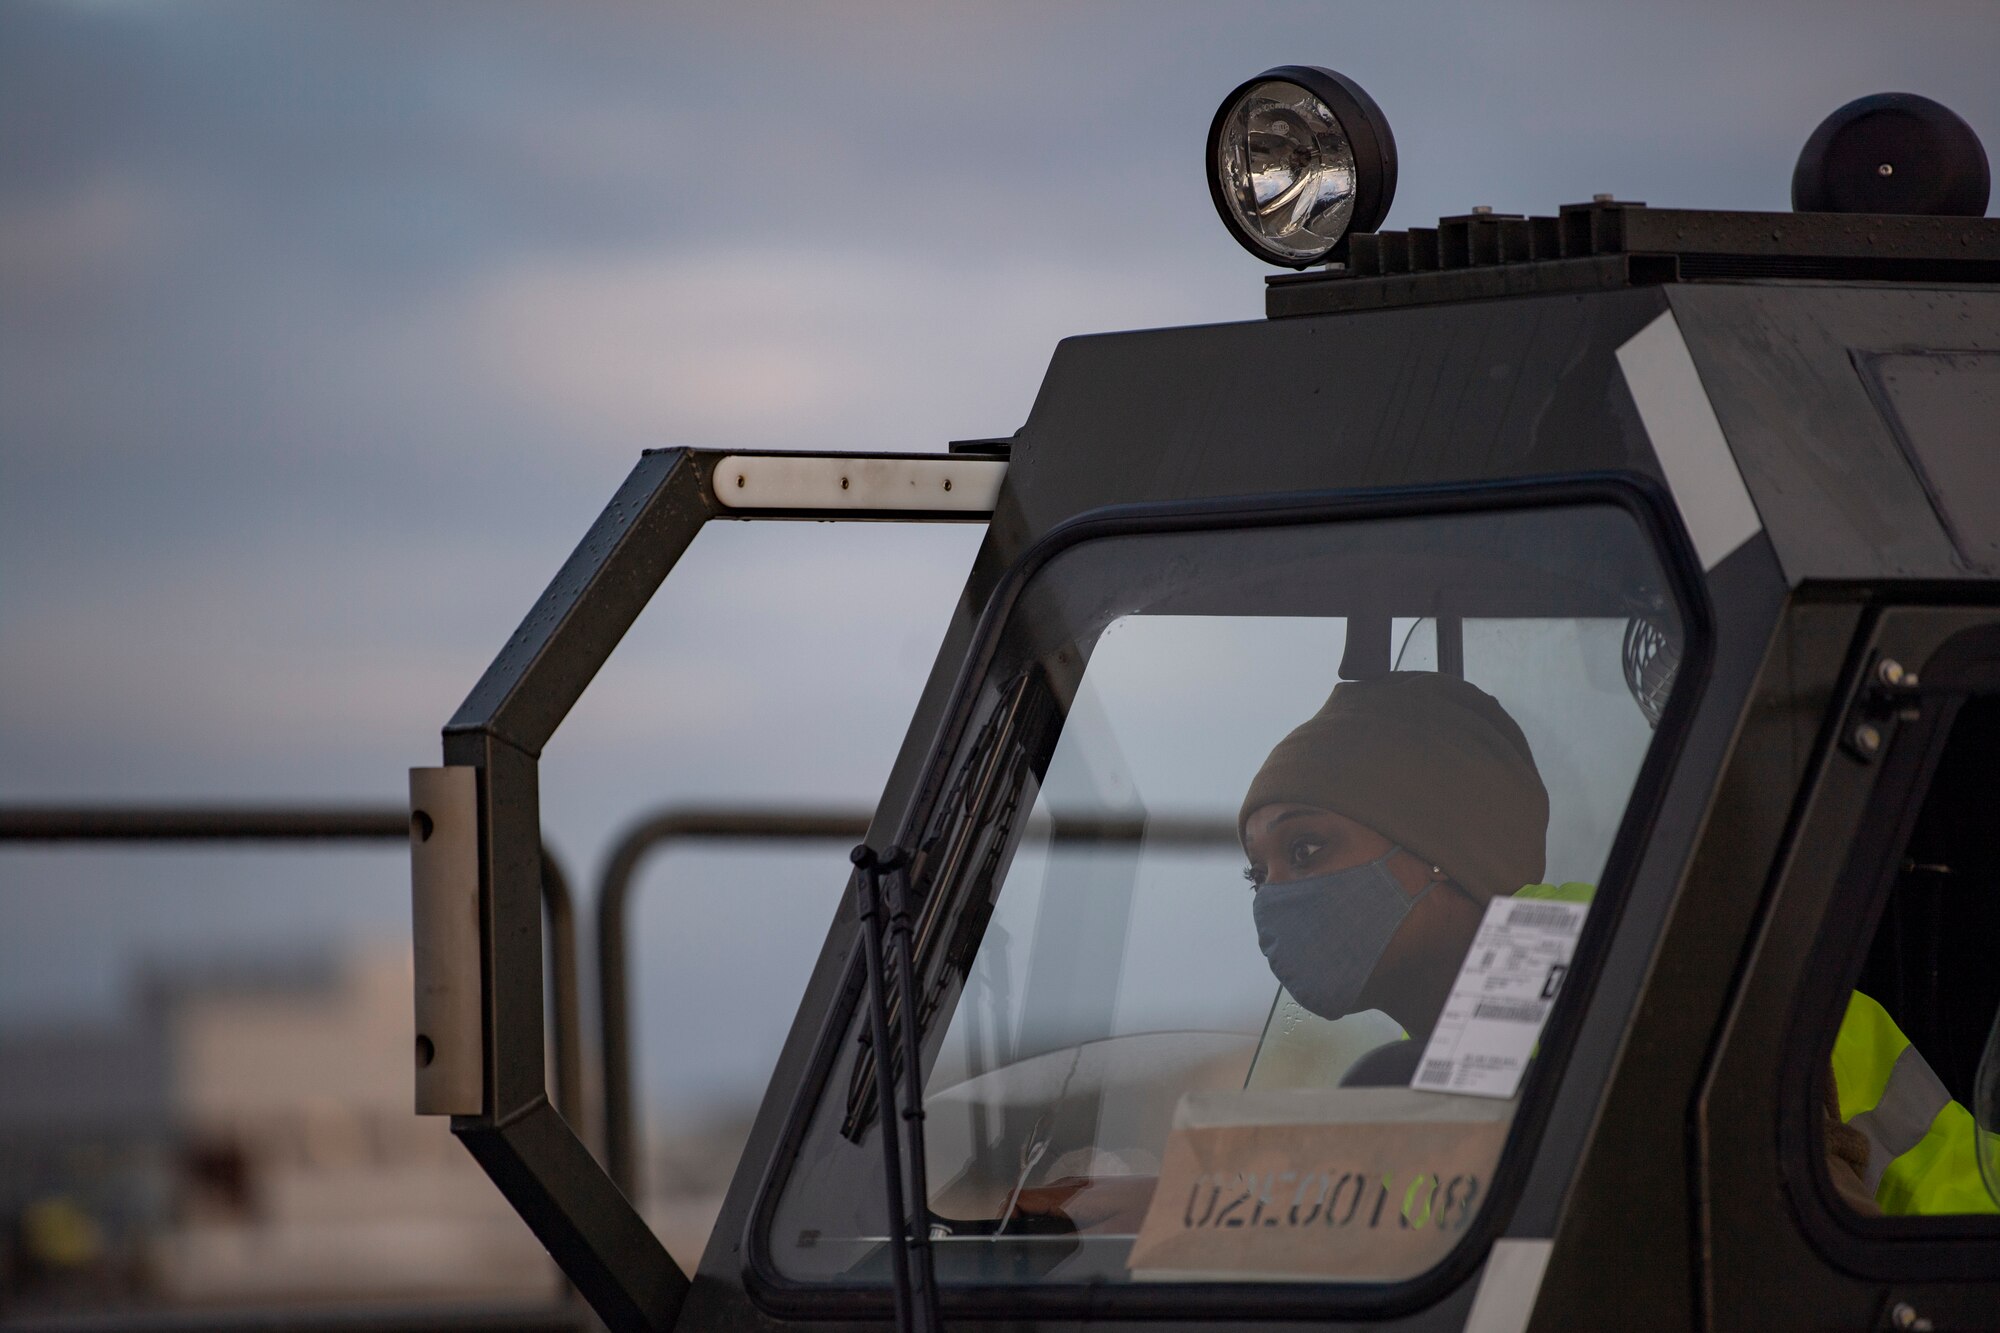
(1730, 362)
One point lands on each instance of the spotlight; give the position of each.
(1300, 158)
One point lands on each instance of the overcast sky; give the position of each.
(325, 330)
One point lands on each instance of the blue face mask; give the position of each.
(1323, 935)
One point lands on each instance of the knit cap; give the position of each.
(1428, 761)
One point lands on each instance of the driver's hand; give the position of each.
(1091, 1203)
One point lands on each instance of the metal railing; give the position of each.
(563, 1318)
(692, 824)
(621, 1150)
(654, 833)
(323, 824)
(341, 823)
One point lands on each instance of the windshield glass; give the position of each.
(1246, 891)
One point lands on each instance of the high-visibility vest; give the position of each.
(1922, 1146)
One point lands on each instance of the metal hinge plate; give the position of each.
(444, 919)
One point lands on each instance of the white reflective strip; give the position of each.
(1680, 420)
(1910, 1104)
(967, 485)
(1508, 1287)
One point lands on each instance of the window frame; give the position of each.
(1962, 1247)
(1659, 523)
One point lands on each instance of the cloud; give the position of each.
(326, 330)
(104, 225)
(744, 348)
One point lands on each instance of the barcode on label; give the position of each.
(1509, 1011)
(1540, 915)
(1437, 1072)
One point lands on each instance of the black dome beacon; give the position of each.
(1892, 153)
(1465, 804)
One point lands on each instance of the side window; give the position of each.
(1910, 1097)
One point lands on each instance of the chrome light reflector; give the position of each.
(1298, 159)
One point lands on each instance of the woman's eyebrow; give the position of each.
(1291, 815)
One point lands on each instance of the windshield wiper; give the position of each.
(889, 958)
(985, 797)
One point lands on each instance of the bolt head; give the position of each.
(1868, 738)
(1889, 671)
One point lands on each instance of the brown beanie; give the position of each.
(1427, 761)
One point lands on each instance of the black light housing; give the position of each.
(1892, 153)
(1299, 159)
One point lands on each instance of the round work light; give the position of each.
(1300, 158)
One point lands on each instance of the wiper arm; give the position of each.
(887, 949)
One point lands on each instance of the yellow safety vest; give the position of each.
(1922, 1146)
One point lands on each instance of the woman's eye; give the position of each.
(1303, 851)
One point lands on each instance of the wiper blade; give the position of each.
(985, 796)
(887, 950)
(986, 775)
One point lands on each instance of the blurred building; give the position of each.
(247, 1139)
(86, 1161)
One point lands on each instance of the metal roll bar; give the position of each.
(492, 750)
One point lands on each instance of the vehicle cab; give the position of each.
(1466, 803)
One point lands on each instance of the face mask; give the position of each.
(1323, 936)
